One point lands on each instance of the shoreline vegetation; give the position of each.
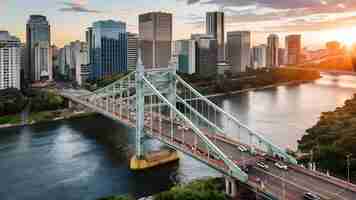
(250, 80)
(331, 142)
(201, 189)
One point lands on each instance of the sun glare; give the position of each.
(346, 36)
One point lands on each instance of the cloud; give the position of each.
(297, 15)
(76, 6)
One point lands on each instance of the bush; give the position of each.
(45, 101)
(197, 190)
(12, 101)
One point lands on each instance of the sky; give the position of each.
(318, 21)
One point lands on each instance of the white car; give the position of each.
(281, 166)
(262, 165)
(242, 148)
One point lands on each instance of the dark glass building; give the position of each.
(107, 41)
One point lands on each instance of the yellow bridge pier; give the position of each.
(153, 159)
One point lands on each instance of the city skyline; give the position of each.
(329, 20)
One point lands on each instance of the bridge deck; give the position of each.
(284, 184)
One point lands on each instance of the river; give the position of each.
(84, 159)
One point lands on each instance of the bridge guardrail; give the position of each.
(324, 177)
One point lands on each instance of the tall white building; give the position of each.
(43, 68)
(259, 56)
(10, 61)
(272, 50)
(132, 50)
(239, 47)
(74, 62)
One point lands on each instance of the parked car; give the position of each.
(262, 165)
(281, 166)
(311, 196)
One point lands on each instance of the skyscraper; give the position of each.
(215, 26)
(206, 54)
(10, 61)
(43, 68)
(186, 51)
(259, 56)
(272, 50)
(155, 31)
(132, 50)
(108, 53)
(38, 31)
(239, 47)
(294, 49)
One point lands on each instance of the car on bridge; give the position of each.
(262, 165)
(281, 165)
(311, 196)
(242, 148)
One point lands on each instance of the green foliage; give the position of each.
(12, 101)
(116, 198)
(10, 119)
(197, 190)
(332, 138)
(45, 101)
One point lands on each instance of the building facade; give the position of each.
(215, 25)
(239, 47)
(155, 32)
(43, 62)
(272, 50)
(10, 61)
(259, 56)
(38, 30)
(281, 56)
(108, 53)
(294, 49)
(185, 52)
(206, 54)
(132, 50)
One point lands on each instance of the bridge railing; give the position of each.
(225, 124)
(169, 124)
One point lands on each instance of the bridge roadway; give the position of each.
(288, 184)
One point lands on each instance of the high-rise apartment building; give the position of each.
(272, 50)
(108, 48)
(239, 47)
(43, 68)
(74, 62)
(38, 30)
(215, 25)
(294, 49)
(155, 32)
(259, 56)
(10, 61)
(281, 56)
(206, 54)
(132, 50)
(185, 51)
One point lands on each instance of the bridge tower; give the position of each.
(138, 161)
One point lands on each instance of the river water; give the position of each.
(84, 159)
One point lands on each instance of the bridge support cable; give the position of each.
(263, 145)
(233, 169)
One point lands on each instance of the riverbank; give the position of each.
(330, 143)
(259, 88)
(42, 117)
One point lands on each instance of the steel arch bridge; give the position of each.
(161, 105)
